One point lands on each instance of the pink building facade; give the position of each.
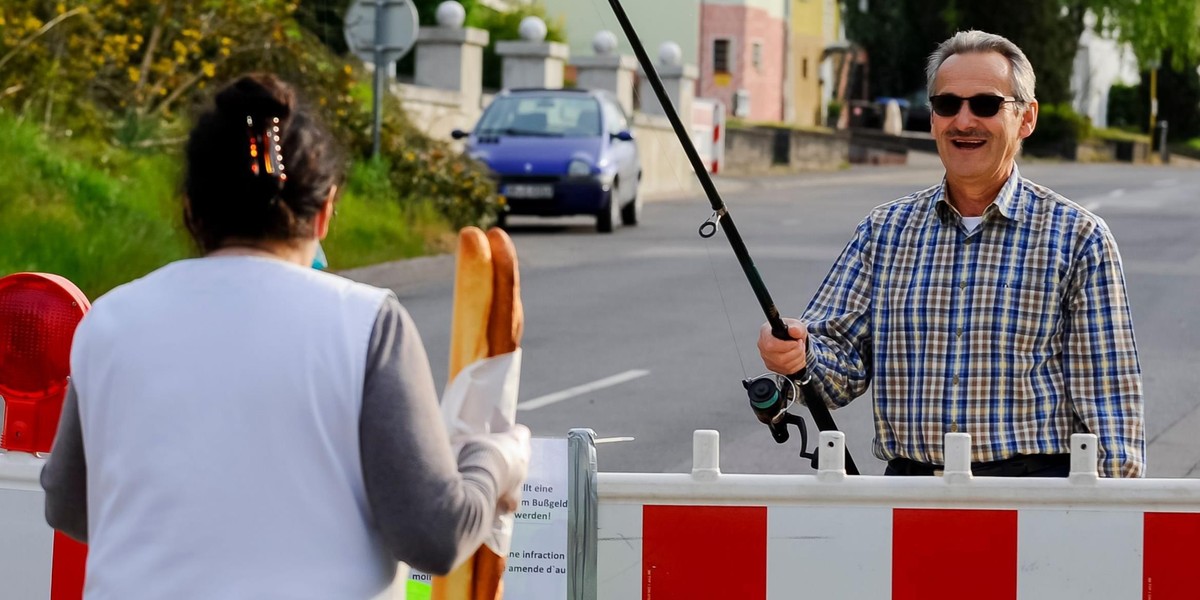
(743, 57)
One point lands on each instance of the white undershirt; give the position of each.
(972, 223)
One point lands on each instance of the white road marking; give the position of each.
(579, 390)
(1092, 204)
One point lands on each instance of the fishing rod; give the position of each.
(769, 396)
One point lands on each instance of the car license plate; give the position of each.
(529, 190)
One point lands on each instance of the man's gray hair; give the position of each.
(966, 42)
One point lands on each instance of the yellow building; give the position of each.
(815, 26)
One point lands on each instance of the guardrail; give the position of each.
(713, 535)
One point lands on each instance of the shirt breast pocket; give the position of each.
(1029, 303)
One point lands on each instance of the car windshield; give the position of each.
(542, 116)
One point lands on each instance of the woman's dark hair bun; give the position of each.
(259, 96)
(265, 180)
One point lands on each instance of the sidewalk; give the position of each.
(920, 164)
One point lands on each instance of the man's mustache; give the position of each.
(968, 133)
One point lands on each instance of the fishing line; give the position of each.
(671, 158)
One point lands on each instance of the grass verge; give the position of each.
(101, 215)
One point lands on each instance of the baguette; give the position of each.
(505, 326)
(468, 344)
(488, 320)
(507, 320)
(472, 300)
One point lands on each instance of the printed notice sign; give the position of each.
(537, 560)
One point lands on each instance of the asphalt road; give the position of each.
(647, 333)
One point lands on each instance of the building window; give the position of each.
(756, 51)
(721, 62)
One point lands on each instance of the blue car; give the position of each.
(559, 153)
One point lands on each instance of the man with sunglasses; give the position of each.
(986, 304)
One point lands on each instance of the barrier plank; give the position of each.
(1170, 554)
(1079, 553)
(68, 567)
(948, 554)
(714, 552)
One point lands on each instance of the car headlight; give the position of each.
(579, 168)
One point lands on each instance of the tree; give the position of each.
(899, 34)
(1178, 99)
(1151, 27)
(141, 59)
(1047, 34)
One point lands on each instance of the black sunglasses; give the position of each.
(983, 105)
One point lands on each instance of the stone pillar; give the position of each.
(607, 71)
(679, 80)
(532, 62)
(450, 57)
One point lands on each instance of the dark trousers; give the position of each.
(1021, 465)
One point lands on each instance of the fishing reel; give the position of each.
(771, 395)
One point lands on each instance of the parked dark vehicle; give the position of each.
(559, 153)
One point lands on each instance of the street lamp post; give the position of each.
(1153, 65)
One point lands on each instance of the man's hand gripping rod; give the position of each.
(768, 399)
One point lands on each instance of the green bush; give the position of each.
(92, 167)
(102, 215)
(97, 220)
(372, 227)
(1059, 130)
(1127, 108)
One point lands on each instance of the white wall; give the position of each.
(1099, 64)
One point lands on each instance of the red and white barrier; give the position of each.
(35, 561)
(753, 537)
(38, 316)
(708, 132)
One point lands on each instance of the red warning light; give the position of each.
(38, 316)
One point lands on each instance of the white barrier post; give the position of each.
(706, 454)
(1083, 458)
(831, 457)
(958, 458)
(582, 522)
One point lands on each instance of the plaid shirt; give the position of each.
(1018, 333)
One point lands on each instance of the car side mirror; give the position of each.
(624, 135)
(459, 134)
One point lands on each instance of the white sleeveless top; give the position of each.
(220, 401)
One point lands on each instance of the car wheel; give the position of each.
(631, 213)
(611, 214)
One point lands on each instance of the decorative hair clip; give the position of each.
(265, 150)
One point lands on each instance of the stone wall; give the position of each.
(666, 170)
(748, 151)
(436, 112)
(756, 150)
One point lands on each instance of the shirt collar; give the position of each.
(1007, 202)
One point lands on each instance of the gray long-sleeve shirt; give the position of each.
(430, 510)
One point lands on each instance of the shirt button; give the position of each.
(958, 333)
(954, 428)
(955, 380)
(962, 284)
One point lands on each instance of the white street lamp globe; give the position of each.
(604, 42)
(532, 29)
(670, 54)
(451, 14)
